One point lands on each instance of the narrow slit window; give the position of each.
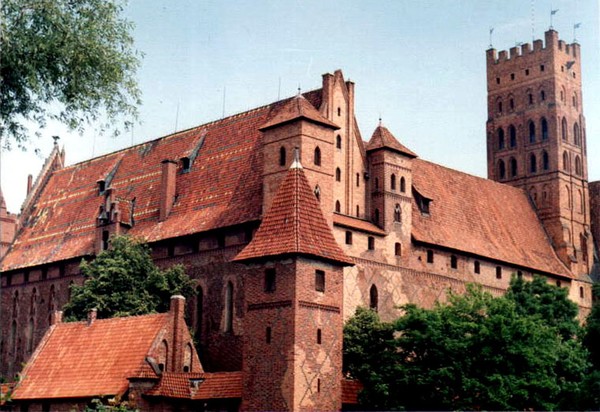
(429, 256)
(270, 279)
(320, 280)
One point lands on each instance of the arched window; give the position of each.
(511, 104)
(30, 336)
(501, 169)
(32, 304)
(317, 157)
(531, 132)
(373, 298)
(398, 249)
(338, 174)
(163, 356)
(566, 161)
(578, 168)
(187, 358)
(584, 247)
(376, 216)
(357, 211)
(564, 130)
(576, 137)
(393, 182)
(500, 138)
(575, 100)
(357, 179)
(542, 95)
(512, 133)
(533, 195)
(338, 207)
(532, 163)
(15, 305)
(282, 156)
(500, 106)
(581, 204)
(199, 312)
(562, 95)
(228, 324)
(397, 213)
(544, 124)
(317, 192)
(530, 96)
(402, 184)
(513, 167)
(376, 183)
(569, 201)
(545, 160)
(338, 141)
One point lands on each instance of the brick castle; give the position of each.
(288, 220)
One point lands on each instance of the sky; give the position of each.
(417, 65)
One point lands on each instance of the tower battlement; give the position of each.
(527, 51)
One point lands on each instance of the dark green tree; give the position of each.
(124, 281)
(65, 60)
(591, 340)
(475, 352)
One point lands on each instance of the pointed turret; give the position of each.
(383, 139)
(294, 225)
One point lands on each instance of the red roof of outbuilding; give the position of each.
(383, 138)
(216, 385)
(481, 217)
(75, 360)
(294, 224)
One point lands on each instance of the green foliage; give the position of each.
(475, 352)
(70, 61)
(123, 281)
(591, 341)
(111, 405)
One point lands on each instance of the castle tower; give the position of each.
(296, 123)
(536, 138)
(391, 182)
(293, 326)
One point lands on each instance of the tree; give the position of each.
(123, 281)
(65, 60)
(475, 352)
(591, 341)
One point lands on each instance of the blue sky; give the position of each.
(420, 65)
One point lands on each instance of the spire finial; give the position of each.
(299, 90)
(379, 120)
(296, 163)
(56, 138)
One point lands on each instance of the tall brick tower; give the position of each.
(536, 138)
(292, 352)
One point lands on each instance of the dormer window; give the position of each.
(101, 187)
(186, 164)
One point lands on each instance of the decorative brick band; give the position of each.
(270, 305)
(326, 308)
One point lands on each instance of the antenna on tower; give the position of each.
(552, 13)
(279, 90)
(575, 27)
(176, 116)
(532, 20)
(224, 95)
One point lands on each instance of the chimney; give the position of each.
(91, 317)
(177, 310)
(56, 317)
(167, 188)
(29, 183)
(327, 98)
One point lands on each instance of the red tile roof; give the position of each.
(481, 217)
(296, 108)
(75, 360)
(383, 138)
(358, 224)
(294, 224)
(216, 385)
(223, 188)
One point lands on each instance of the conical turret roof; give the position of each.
(294, 225)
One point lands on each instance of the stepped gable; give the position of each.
(75, 360)
(294, 225)
(481, 217)
(222, 188)
(296, 108)
(383, 138)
